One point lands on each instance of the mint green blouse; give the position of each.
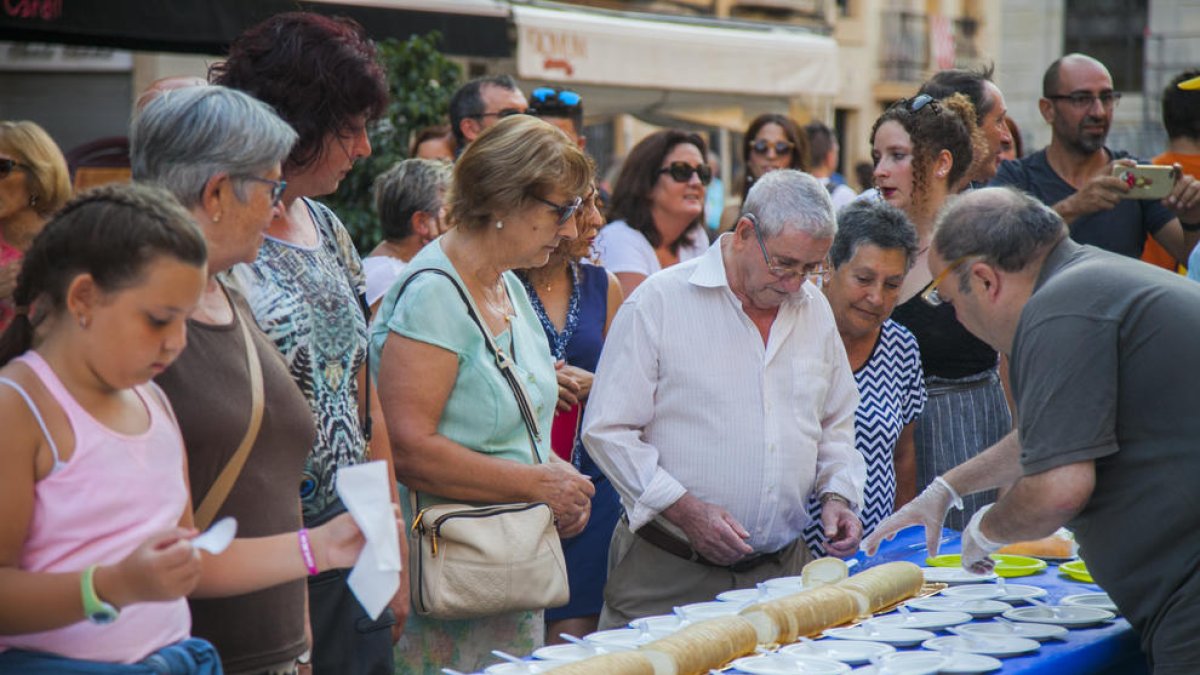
(481, 412)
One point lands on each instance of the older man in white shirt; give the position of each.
(723, 399)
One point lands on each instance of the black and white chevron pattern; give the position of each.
(891, 389)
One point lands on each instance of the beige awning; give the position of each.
(571, 46)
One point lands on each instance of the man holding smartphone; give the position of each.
(1074, 174)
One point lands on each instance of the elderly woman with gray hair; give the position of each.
(875, 247)
(408, 199)
(226, 171)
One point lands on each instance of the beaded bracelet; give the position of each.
(306, 552)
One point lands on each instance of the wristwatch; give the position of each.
(834, 497)
(96, 610)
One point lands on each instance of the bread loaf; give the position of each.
(1053, 546)
(805, 613)
(885, 585)
(619, 663)
(705, 645)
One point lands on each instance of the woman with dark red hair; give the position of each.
(320, 74)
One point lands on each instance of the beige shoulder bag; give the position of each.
(472, 561)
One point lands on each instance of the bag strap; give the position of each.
(368, 425)
(215, 498)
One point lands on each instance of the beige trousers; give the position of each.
(644, 580)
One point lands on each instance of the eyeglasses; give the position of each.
(551, 95)
(1084, 101)
(565, 211)
(761, 146)
(914, 104)
(7, 165)
(501, 114)
(681, 172)
(277, 187)
(930, 294)
(814, 272)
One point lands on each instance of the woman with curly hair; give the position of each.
(922, 149)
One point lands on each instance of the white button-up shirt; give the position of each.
(688, 399)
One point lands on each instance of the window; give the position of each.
(1111, 31)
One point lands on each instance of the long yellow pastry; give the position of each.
(885, 584)
(702, 646)
(805, 613)
(618, 663)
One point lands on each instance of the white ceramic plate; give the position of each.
(519, 669)
(853, 652)
(1033, 631)
(657, 626)
(961, 662)
(1068, 615)
(566, 652)
(1099, 600)
(954, 575)
(922, 620)
(999, 646)
(976, 608)
(618, 639)
(897, 637)
(788, 664)
(1010, 592)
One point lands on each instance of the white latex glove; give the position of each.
(976, 547)
(928, 509)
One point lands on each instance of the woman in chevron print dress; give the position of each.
(874, 248)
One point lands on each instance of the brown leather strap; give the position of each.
(214, 499)
(658, 537)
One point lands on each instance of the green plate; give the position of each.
(1006, 565)
(1077, 570)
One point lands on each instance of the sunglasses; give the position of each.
(916, 103)
(681, 172)
(277, 187)
(564, 211)
(930, 294)
(7, 165)
(551, 95)
(761, 146)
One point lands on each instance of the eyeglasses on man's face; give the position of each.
(781, 148)
(1082, 100)
(815, 272)
(277, 187)
(501, 114)
(564, 211)
(681, 172)
(930, 295)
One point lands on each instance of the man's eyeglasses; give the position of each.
(277, 187)
(501, 114)
(814, 272)
(7, 165)
(930, 294)
(564, 211)
(761, 146)
(1084, 101)
(681, 172)
(552, 96)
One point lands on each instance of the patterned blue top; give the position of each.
(891, 387)
(306, 301)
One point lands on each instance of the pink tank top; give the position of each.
(95, 508)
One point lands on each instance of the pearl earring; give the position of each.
(84, 321)
(499, 224)
(33, 200)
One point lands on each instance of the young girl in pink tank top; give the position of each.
(95, 545)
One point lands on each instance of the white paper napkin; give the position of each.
(366, 492)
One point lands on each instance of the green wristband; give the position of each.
(96, 610)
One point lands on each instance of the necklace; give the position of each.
(504, 309)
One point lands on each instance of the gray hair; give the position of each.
(789, 198)
(1002, 225)
(876, 223)
(408, 187)
(184, 137)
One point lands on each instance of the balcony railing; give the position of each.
(903, 46)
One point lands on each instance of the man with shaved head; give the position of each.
(1074, 173)
(1103, 367)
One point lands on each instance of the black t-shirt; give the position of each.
(1122, 229)
(947, 349)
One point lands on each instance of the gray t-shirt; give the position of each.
(1105, 367)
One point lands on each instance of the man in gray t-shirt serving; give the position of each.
(1104, 368)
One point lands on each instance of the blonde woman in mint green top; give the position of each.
(456, 431)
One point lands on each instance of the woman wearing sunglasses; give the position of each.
(456, 430)
(922, 149)
(772, 142)
(658, 208)
(34, 183)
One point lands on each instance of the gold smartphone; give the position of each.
(1147, 181)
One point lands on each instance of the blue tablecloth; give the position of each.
(1111, 648)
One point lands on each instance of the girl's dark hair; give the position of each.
(318, 72)
(111, 233)
(639, 174)
(799, 141)
(948, 124)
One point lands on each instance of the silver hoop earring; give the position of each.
(499, 224)
(33, 200)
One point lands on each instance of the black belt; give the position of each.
(658, 537)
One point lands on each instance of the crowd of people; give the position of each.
(703, 400)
